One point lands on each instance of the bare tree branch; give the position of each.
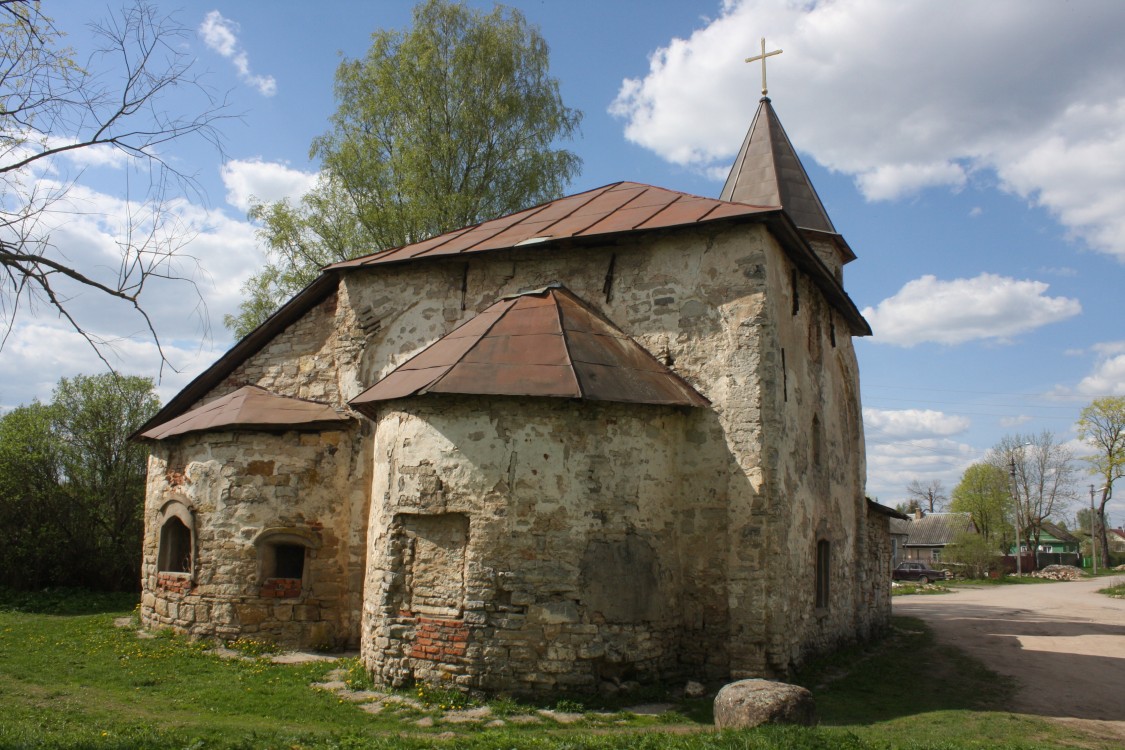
(53, 109)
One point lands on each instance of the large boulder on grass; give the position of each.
(748, 703)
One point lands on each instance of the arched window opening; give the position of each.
(283, 556)
(175, 547)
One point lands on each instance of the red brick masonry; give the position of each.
(281, 588)
(440, 640)
(177, 582)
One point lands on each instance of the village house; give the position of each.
(926, 535)
(613, 437)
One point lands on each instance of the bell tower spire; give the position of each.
(768, 172)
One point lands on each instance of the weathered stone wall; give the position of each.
(313, 359)
(815, 469)
(730, 500)
(241, 494)
(538, 544)
(873, 577)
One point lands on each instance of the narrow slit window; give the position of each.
(784, 378)
(823, 567)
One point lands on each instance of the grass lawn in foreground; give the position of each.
(70, 679)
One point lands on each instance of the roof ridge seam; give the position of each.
(642, 190)
(566, 347)
(573, 211)
(439, 378)
(664, 208)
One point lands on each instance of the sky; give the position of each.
(970, 153)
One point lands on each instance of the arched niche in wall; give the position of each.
(176, 551)
(283, 560)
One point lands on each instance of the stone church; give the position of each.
(616, 436)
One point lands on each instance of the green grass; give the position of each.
(70, 679)
(910, 587)
(1115, 592)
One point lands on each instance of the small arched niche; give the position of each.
(176, 551)
(283, 560)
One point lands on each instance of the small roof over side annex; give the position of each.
(251, 408)
(545, 342)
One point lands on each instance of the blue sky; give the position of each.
(971, 153)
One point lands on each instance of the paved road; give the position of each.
(1063, 642)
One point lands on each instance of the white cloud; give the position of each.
(910, 96)
(1107, 379)
(220, 34)
(890, 181)
(51, 351)
(953, 312)
(912, 423)
(894, 464)
(266, 181)
(1008, 422)
(213, 256)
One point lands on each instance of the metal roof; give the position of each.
(768, 172)
(612, 209)
(938, 529)
(542, 343)
(250, 407)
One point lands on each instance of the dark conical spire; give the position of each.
(767, 172)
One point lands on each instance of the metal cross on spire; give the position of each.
(763, 57)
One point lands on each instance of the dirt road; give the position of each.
(1063, 642)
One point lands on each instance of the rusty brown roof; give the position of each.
(249, 407)
(542, 343)
(612, 209)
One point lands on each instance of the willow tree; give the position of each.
(444, 125)
(1102, 426)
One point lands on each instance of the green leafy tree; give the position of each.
(1102, 426)
(72, 485)
(438, 127)
(104, 472)
(32, 504)
(984, 493)
(973, 551)
(114, 104)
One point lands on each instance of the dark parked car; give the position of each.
(912, 570)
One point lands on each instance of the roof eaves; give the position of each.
(250, 344)
(789, 234)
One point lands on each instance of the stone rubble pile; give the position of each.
(1060, 573)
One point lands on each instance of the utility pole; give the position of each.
(1016, 514)
(1093, 532)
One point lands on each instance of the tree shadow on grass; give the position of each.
(67, 601)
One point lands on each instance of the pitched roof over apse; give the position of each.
(612, 209)
(541, 343)
(253, 408)
(767, 172)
